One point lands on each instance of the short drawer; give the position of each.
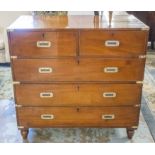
(88, 69)
(86, 116)
(43, 44)
(78, 94)
(113, 43)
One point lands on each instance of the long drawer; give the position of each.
(113, 43)
(78, 94)
(86, 116)
(30, 44)
(88, 69)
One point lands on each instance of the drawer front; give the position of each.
(78, 94)
(86, 116)
(44, 70)
(95, 69)
(113, 43)
(89, 69)
(43, 44)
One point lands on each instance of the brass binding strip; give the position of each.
(15, 82)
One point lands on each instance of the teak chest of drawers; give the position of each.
(77, 71)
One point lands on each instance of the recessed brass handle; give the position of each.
(46, 95)
(112, 43)
(109, 94)
(111, 69)
(108, 116)
(45, 70)
(47, 116)
(43, 44)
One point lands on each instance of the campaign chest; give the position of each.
(77, 71)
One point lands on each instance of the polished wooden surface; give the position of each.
(78, 94)
(93, 43)
(77, 22)
(24, 44)
(87, 69)
(78, 116)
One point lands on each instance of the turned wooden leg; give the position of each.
(24, 133)
(130, 132)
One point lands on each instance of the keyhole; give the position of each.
(78, 88)
(77, 109)
(43, 35)
(112, 34)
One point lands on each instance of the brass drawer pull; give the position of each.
(112, 43)
(44, 44)
(108, 116)
(109, 94)
(45, 70)
(111, 69)
(46, 95)
(47, 116)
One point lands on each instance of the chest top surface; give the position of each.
(125, 22)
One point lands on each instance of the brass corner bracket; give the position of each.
(13, 57)
(137, 105)
(142, 56)
(139, 82)
(18, 105)
(20, 127)
(134, 127)
(145, 28)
